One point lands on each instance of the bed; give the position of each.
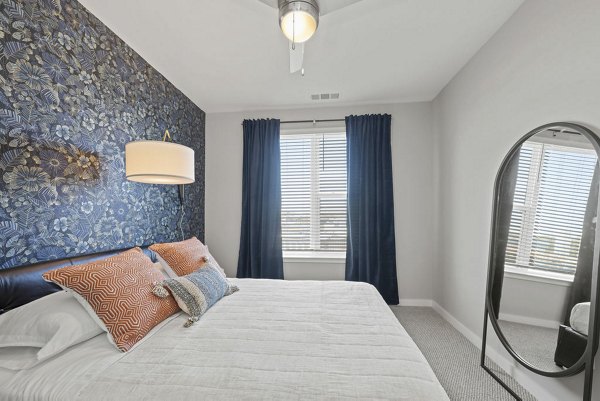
(272, 340)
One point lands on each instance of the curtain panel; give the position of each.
(371, 241)
(261, 253)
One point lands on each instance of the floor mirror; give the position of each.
(542, 286)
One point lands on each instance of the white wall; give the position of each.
(412, 159)
(533, 301)
(543, 65)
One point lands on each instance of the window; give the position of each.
(551, 192)
(313, 192)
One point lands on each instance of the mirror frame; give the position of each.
(587, 358)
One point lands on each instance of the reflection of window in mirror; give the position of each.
(550, 200)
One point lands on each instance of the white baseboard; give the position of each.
(415, 302)
(499, 359)
(532, 321)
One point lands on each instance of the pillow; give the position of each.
(42, 329)
(118, 292)
(213, 261)
(159, 266)
(580, 317)
(184, 257)
(196, 292)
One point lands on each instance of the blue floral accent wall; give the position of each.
(72, 95)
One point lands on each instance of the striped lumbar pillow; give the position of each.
(119, 292)
(196, 292)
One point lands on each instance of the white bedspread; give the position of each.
(272, 340)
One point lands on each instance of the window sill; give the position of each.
(314, 257)
(518, 273)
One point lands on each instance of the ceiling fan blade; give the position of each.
(325, 6)
(331, 6)
(296, 57)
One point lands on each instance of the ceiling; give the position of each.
(229, 55)
(325, 6)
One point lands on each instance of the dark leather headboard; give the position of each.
(24, 284)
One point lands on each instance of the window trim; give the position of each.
(300, 131)
(314, 256)
(537, 275)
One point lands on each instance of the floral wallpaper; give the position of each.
(72, 94)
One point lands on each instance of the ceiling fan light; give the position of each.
(298, 26)
(298, 19)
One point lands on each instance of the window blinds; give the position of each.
(552, 188)
(313, 192)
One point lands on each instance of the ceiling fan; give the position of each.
(299, 19)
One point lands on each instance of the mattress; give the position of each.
(272, 340)
(580, 317)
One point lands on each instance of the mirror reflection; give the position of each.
(544, 249)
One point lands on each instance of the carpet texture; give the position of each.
(454, 359)
(536, 344)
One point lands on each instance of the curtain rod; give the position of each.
(312, 121)
(563, 131)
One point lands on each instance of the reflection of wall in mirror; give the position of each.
(563, 139)
(538, 303)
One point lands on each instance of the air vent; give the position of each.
(325, 96)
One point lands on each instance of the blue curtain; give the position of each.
(260, 240)
(371, 246)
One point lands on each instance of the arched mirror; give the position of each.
(542, 276)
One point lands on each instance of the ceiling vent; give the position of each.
(325, 96)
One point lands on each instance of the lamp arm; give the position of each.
(181, 203)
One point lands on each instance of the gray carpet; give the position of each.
(454, 359)
(536, 344)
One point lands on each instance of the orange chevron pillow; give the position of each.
(182, 257)
(118, 292)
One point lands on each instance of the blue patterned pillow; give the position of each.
(196, 292)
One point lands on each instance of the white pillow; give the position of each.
(42, 329)
(160, 267)
(212, 260)
(165, 268)
(580, 317)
